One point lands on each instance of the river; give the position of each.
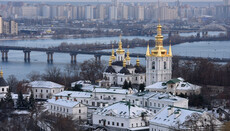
(16, 66)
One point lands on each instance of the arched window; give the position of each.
(165, 65)
(153, 65)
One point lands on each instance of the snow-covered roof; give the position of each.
(89, 88)
(74, 94)
(44, 84)
(187, 86)
(157, 85)
(111, 90)
(62, 102)
(159, 96)
(81, 82)
(170, 116)
(182, 85)
(124, 109)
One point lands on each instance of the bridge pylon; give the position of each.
(26, 55)
(73, 58)
(4, 55)
(50, 57)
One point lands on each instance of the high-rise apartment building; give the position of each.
(6, 27)
(13, 27)
(112, 13)
(226, 2)
(89, 12)
(1, 24)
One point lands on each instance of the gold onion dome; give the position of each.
(124, 63)
(147, 51)
(110, 62)
(120, 50)
(138, 61)
(1, 73)
(159, 50)
(113, 57)
(128, 58)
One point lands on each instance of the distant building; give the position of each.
(113, 13)
(226, 2)
(44, 89)
(1, 25)
(6, 28)
(13, 28)
(122, 116)
(176, 118)
(67, 108)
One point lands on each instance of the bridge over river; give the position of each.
(73, 54)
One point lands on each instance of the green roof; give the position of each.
(173, 81)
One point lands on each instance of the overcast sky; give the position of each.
(120, 0)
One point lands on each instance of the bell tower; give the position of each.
(158, 61)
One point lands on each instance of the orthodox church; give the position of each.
(120, 69)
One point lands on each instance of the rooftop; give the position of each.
(165, 117)
(124, 109)
(74, 94)
(157, 96)
(61, 102)
(111, 90)
(44, 84)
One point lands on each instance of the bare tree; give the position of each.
(92, 70)
(34, 76)
(53, 74)
(12, 82)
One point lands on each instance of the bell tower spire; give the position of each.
(120, 52)
(159, 62)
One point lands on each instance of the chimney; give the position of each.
(170, 111)
(137, 102)
(56, 97)
(177, 113)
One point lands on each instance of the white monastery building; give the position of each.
(176, 118)
(99, 97)
(122, 116)
(67, 108)
(175, 86)
(45, 89)
(155, 101)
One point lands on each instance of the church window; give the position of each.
(136, 78)
(153, 65)
(121, 79)
(2, 89)
(165, 65)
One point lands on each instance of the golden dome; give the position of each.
(120, 50)
(127, 57)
